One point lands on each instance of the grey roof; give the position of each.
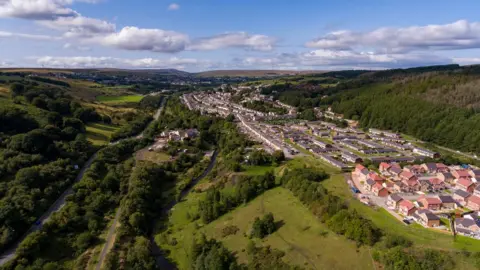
(431, 166)
(396, 197)
(446, 199)
(462, 193)
(396, 170)
(465, 222)
(428, 214)
(370, 182)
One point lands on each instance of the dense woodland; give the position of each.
(42, 146)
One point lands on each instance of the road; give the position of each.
(60, 202)
(109, 240)
(160, 258)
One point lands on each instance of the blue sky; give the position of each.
(196, 35)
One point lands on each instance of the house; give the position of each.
(393, 201)
(410, 181)
(461, 197)
(395, 171)
(369, 184)
(474, 203)
(436, 184)
(379, 190)
(406, 208)
(415, 169)
(466, 224)
(350, 157)
(430, 167)
(465, 184)
(442, 168)
(375, 177)
(430, 203)
(361, 172)
(475, 174)
(477, 191)
(425, 185)
(383, 167)
(445, 177)
(459, 174)
(407, 176)
(448, 203)
(427, 218)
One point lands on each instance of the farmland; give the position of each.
(119, 99)
(99, 134)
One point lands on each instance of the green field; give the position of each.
(99, 134)
(305, 241)
(119, 99)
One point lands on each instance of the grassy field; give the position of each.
(257, 170)
(99, 134)
(305, 241)
(119, 99)
(155, 157)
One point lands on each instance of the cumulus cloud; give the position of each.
(155, 40)
(173, 6)
(236, 40)
(457, 35)
(80, 26)
(36, 9)
(112, 62)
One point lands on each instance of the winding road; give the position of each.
(8, 254)
(161, 260)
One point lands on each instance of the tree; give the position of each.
(17, 89)
(278, 156)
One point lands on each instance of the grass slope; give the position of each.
(99, 134)
(119, 99)
(305, 241)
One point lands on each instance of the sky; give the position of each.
(199, 35)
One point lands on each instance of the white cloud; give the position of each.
(111, 62)
(79, 26)
(328, 59)
(155, 40)
(466, 60)
(70, 46)
(173, 6)
(4, 34)
(457, 35)
(236, 40)
(36, 9)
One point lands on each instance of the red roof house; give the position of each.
(406, 208)
(465, 184)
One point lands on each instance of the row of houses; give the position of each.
(379, 132)
(330, 160)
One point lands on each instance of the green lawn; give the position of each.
(155, 157)
(99, 134)
(119, 99)
(305, 241)
(257, 170)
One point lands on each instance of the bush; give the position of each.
(229, 230)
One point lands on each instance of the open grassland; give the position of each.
(305, 241)
(420, 236)
(152, 156)
(119, 99)
(99, 134)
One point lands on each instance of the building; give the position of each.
(425, 152)
(393, 201)
(383, 167)
(406, 208)
(474, 203)
(430, 203)
(476, 192)
(430, 167)
(361, 172)
(436, 184)
(448, 203)
(475, 174)
(446, 177)
(350, 157)
(465, 184)
(461, 197)
(466, 224)
(321, 144)
(395, 159)
(333, 162)
(461, 174)
(368, 185)
(427, 218)
(379, 190)
(384, 133)
(398, 146)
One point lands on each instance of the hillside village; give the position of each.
(402, 178)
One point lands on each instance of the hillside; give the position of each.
(435, 104)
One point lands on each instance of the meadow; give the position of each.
(119, 99)
(99, 134)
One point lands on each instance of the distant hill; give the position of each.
(255, 73)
